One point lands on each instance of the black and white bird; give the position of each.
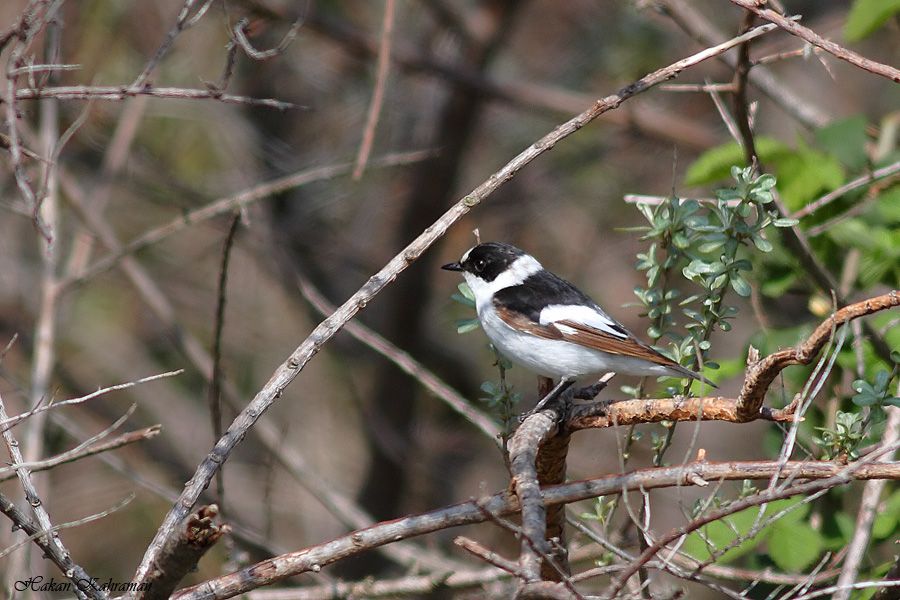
(544, 323)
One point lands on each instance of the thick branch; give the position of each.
(291, 367)
(314, 558)
(183, 551)
(523, 450)
(654, 410)
(762, 373)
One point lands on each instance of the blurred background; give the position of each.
(471, 83)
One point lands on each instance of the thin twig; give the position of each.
(381, 75)
(48, 541)
(96, 448)
(181, 23)
(291, 367)
(794, 28)
(215, 384)
(488, 556)
(7, 423)
(837, 193)
(117, 93)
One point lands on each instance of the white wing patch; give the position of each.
(580, 314)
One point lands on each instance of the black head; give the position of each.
(486, 260)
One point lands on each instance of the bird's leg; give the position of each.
(590, 392)
(560, 387)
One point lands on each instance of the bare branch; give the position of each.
(49, 541)
(815, 39)
(857, 183)
(761, 374)
(381, 74)
(8, 422)
(115, 93)
(232, 203)
(314, 558)
(77, 454)
(183, 551)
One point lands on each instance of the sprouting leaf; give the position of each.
(467, 325)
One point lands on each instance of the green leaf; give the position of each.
(846, 140)
(740, 286)
(793, 546)
(805, 173)
(715, 164)
(885, 524)
(467, 325)
(868, 15)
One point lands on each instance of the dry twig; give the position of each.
(815, 39)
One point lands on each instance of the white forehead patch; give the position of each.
(466, 255)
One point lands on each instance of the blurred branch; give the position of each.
(49, 542)
(857, 183)
(114, 93)
(314, 558)
(696, 24)
(404, 362)
(182, 23)
(231, 203)
(794, 28)
(289, 370)
(653, 120)
(94, 448)
(7, 423)
(215, 382)
(381, 75)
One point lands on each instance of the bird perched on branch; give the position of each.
(544, 323)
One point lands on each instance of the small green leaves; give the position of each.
(465, 295)
(877, 394)
(844, 439)
(467, 325)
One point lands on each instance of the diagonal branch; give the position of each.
(815, 39)
(291, 367)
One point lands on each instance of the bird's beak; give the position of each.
(454, 266)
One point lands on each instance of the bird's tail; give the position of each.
(685, 372)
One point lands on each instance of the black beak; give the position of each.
(454, 266)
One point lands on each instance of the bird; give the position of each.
(544, 323)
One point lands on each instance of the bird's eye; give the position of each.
(479, 265)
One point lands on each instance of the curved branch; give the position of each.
(762, 373)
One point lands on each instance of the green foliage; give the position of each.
(844, 439)
(803, 173)
(868, 15)
(792, 544)
(875, 394)
(708, 245)
(467, 299)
